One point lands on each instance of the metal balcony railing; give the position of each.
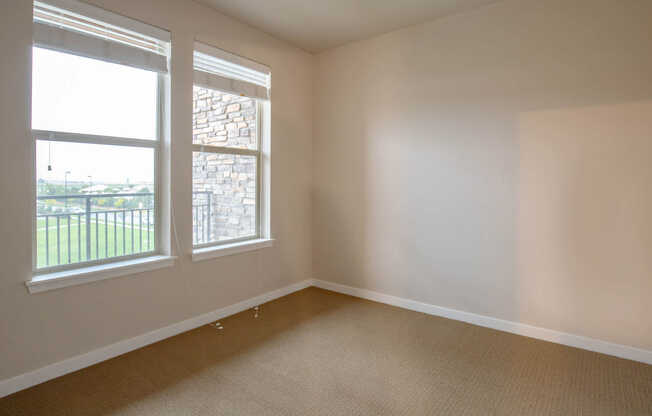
(201, 216)
(87, 231)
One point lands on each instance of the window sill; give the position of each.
(57, 280)
(230, 249)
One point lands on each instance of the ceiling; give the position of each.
(317, 25)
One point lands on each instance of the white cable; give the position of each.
(174, 230)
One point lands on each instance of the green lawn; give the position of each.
(114, 240)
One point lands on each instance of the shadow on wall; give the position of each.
(584, 227)
(339, 228)
(494, 162)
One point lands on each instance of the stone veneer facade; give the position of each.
(224, 185)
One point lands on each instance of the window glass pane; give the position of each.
(222, 119)
(81, 95)
(93, 202)
(224, 197)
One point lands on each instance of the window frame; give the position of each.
(260, 140)
(155, 144)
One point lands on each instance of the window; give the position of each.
(230, 102)
(97, 94)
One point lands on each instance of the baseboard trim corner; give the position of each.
(571, 340)
(49, 372)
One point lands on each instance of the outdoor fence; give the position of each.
(86, 231)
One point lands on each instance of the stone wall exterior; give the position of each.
(224, 185)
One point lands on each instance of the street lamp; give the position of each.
(65, 188)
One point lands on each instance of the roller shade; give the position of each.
(66, 30)
(220, 70)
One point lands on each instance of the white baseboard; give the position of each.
(577, 341)
(60, 368)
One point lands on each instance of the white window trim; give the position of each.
(231, 248)
(80, 270)
(262, 238)
(66, 278)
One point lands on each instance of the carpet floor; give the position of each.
(320, 353)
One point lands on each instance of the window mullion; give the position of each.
(224, 150)
(92, 139)
(259, 156)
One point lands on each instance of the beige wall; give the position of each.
(36, 330)
(497, 162)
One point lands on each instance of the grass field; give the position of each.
(108, 239)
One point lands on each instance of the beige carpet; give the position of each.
(320, 353)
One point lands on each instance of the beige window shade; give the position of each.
(68, 31)
(220, 70)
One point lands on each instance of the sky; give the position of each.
(81, 95)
